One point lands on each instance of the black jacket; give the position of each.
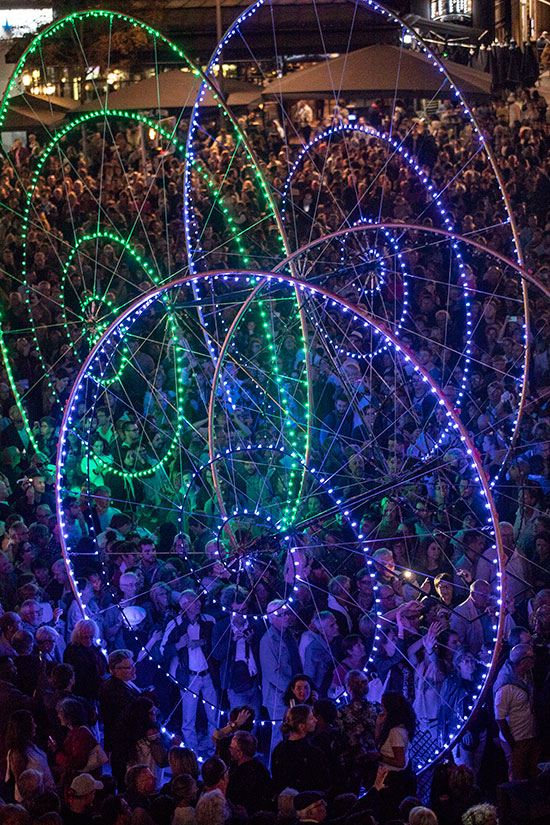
(114, 696)
(173, 633)
(251, 786)
(224, 649)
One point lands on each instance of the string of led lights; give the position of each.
(236, 35)
(264, 282)
(318, 321)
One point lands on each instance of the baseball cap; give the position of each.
(306, 798)
(84, 784)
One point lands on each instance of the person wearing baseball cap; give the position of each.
(80, 799)
(310, 806)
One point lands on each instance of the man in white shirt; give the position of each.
(186, 647)
(515, 716)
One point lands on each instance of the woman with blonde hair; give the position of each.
(483, 814)
(183, 760)
(89, 663)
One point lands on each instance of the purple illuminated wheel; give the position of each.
(283, 526)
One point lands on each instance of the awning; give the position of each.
(378, 71)
(174, 89)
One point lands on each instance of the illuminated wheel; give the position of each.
(100, 217)
(336, 163)
(287, 517)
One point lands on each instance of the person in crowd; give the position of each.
(422, 816)
(138, 738)
(185, 792)
(295, 763)
(354, 657)
(300, 691)
(457, 694)
(115, 694)
(236, 647)
(10, 623)
(75, 755)
(183, 760)
(240, 719)
(279, 660)
(482, 814)
(310, 806)
(141, 786)
(471, 619)
(319, 656)
(249, 785)
(212, 809)
(186, 647)
(395, 730)
(49, 642)
(514, 713)
(80, 799)
(215, 775)
(22, 752)
(89, 663)
(356, 721)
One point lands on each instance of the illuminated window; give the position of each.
(445, 9)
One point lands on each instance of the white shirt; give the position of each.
(242, 656)
(197, 659)
(397, 738)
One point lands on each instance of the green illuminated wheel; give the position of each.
(100, 217)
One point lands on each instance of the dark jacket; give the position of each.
(456, 698)
(174, 631)
(251, 786)
(114, 696)
(297, 764)
(224, 649)
(90, 668)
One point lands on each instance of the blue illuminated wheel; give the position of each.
(287, 518)
(348, 162)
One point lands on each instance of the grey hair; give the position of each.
(118, 656)
(43, 633)
(84, 624)
(212, 808)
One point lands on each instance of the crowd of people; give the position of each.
(197, 688)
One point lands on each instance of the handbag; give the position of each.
(96, 758)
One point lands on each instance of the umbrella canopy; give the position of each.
(23, 119)
(50, 102)
(174, 89)
(28, 111)
(379, 70)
